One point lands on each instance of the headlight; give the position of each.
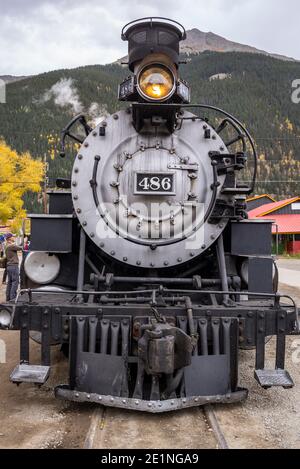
(156, 83)
(41, 267)
(5, 319)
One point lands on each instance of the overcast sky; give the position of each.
(41, 35)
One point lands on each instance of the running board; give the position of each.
(30, 374)
(270, 378)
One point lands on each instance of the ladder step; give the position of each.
(270, 378)
(30, 374)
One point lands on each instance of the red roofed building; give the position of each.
(286, 223)
(258, 201)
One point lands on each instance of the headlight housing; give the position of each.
(156, 82)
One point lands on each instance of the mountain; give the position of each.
(254, 87)
(11, 78)
(197, 42)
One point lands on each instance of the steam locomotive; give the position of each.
(146, 269)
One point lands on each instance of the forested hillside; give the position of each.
(256, 88)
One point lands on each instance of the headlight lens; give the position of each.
(42, 268)
(156, 82)
(5, 319)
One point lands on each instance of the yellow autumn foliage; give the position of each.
(19, 173)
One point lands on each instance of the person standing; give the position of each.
(3, 256)
(12, 267)
(2, 240)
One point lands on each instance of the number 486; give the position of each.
(155, 183)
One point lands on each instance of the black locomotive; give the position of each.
(146, 267)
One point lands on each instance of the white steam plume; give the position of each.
(97, 113)
(64, 94)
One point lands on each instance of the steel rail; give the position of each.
(212, 419)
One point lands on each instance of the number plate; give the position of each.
(154, 183)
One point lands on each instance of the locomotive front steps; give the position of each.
(25, 373)
(274, 378)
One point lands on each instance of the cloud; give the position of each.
(42, 35)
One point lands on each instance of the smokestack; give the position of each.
(153, 36)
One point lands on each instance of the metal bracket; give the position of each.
(228, 162)
(184, 167)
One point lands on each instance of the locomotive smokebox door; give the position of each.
(157, 192)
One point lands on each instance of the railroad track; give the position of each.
(115, 429)
(213, 422)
